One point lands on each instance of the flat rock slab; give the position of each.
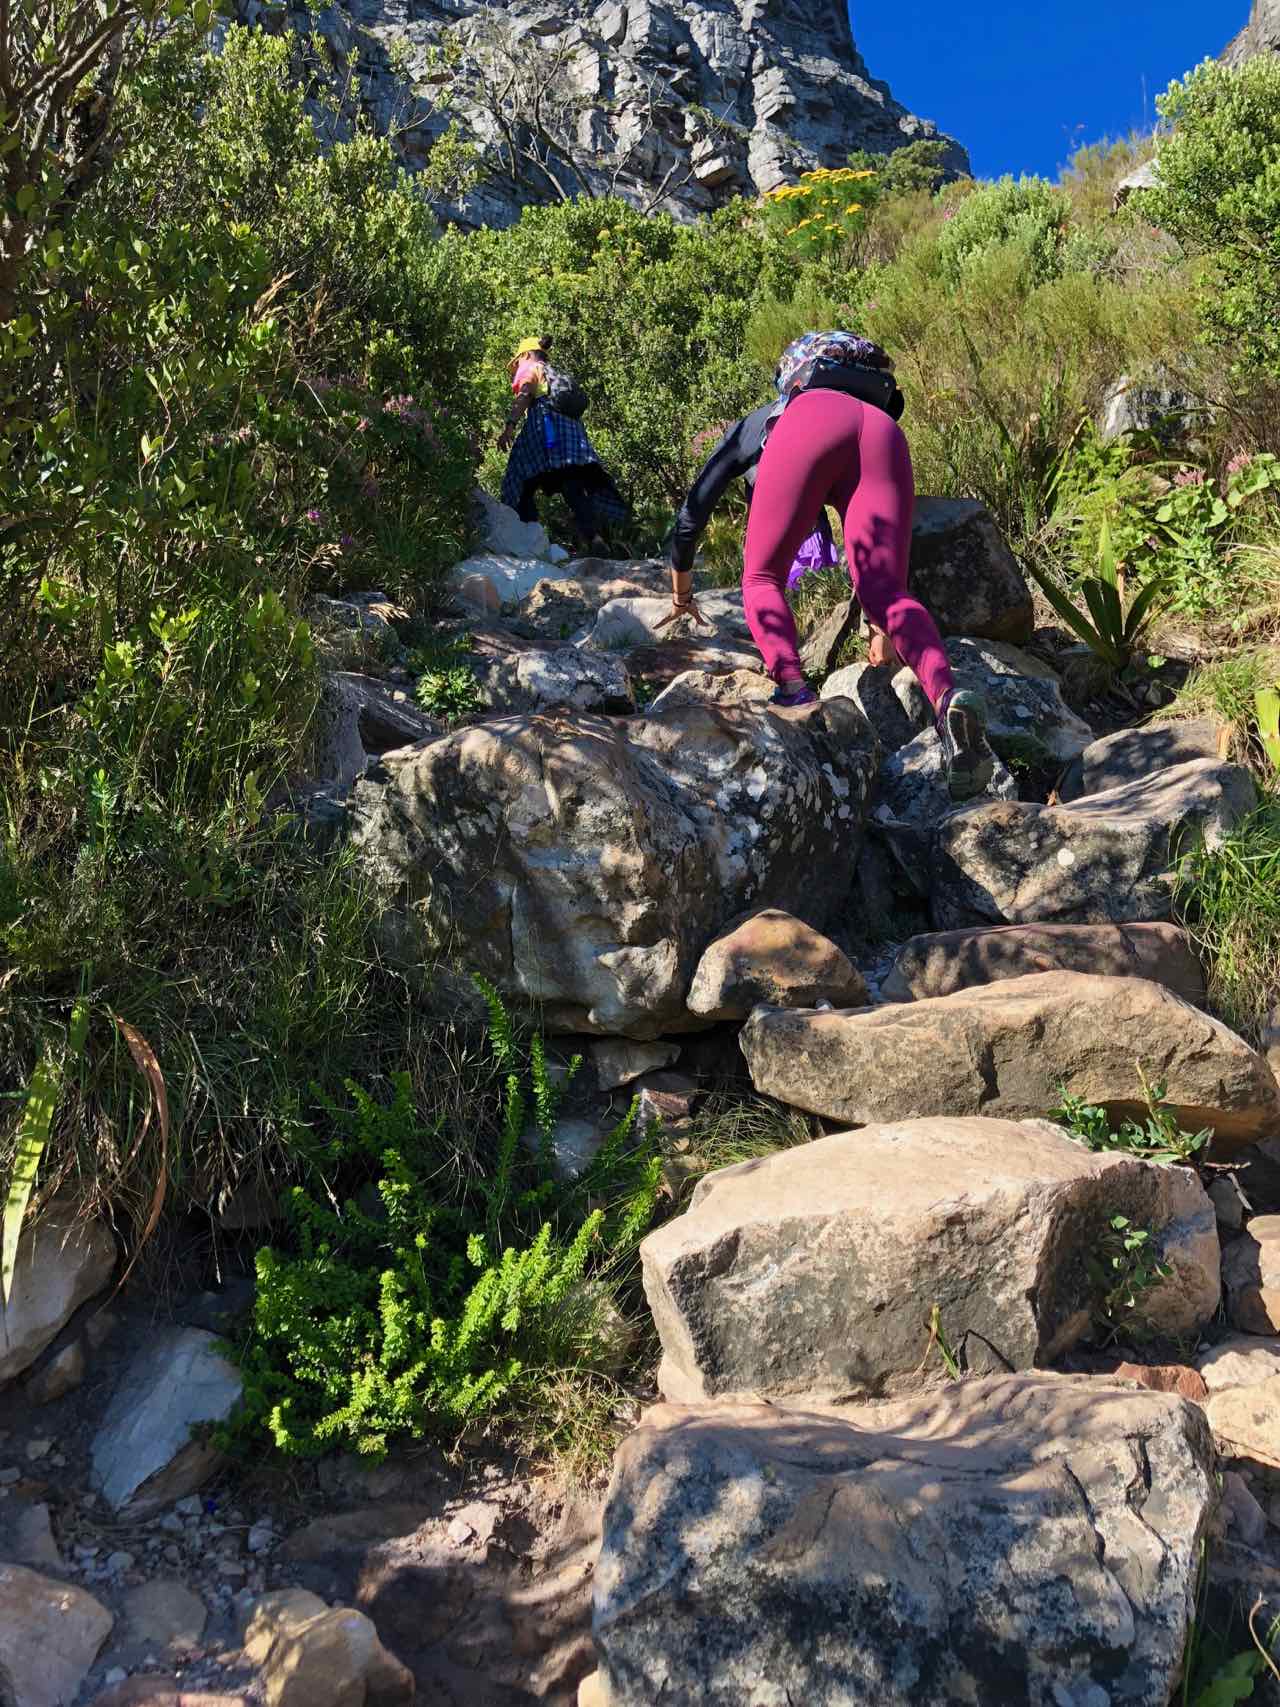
(50, 1635)
(514, 676)
(1132, 755)
(1246, 1422)
(165, 1614)
(773, 957)
(1017, 1540)
(62, 1260)
(588, 863)
(1242, 1360)
(1010, 1049)
(964, 573)
(144, 1454)
(1103, 859)
(942, 962)
(814, 1271)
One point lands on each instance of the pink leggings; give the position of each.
(828, 448)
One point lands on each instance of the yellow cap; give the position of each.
(528, 346)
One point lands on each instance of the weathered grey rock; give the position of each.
(355, 628)
(360, 716)
(626, 622)
(1104, 858)
(821, 647)
(912, 785)
(617, 1062)
(1246, 1422)
(50, 1635)
(1260, 35)
(1010, 1049)
(165, 1614)
(26, 1537)
(1245, 1517)
(1144, 177)
(575, 1143)
(964, 573)
(1019, 1539)
(1133, 755)
(503, 531)
(942, 962)
(814, 1271)
(564, 607)
(587, 864)
(1229, 1202)
(144, 1455)
(514, 677)
(1251, 1271)
(1028, 721)
(62, 1259)
(322, 1657)
(63, 1373)
(740, 687)
(1152, 402)
(1239, 1361)
(676, 106)
(871, 688)
(773, 957)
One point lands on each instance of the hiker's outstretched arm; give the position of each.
(729, 461)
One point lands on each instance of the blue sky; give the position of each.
(1021, 83)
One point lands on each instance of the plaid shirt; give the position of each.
(548, 440)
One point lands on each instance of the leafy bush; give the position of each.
(1123, 1269)
(1159, 1138)
(1025, 215)
(423, 1300)
(1219, 195)
(1229, 898)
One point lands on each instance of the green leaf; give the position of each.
(25, 198)
(33, 1135)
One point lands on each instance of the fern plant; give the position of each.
(426, 1301)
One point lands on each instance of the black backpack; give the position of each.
(869, 384)
(565, 395)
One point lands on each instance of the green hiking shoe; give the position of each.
(962, 729)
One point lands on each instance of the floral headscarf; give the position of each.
(802, 353)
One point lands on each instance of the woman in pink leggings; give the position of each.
(829, 447)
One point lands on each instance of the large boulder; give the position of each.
(773, 957)
(1015, 1540)
(586, 864)
(815, 1271)
(145, 1453)
(50, 1635)
(63, 1258)
(504, 532)
(1104, 858)
(1011, 1050)
(942, 962)
(1131, 755)
(963, 572)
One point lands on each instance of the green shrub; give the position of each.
(1219, 195)
(429, 1297)
(1027, 216)
(1123, 1269)
(1229, 898)
(1158, 1138)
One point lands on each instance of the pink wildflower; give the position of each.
(314, 515)
(1189, 477)
(1240, 461)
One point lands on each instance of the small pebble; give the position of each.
(117, 1674)
(87, 1552)
(172, 1554)
(189, 1507)
(262, 1538)
(9, 1476)
(37, 1449)
(172, 1525)
(117, 1562)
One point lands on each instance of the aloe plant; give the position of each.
(1267, 705)
(1105, 626)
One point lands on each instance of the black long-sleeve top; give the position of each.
(735, 458)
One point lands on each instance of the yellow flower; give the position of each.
(854, 207)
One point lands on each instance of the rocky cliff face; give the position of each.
(1260, 35)
(677, 105)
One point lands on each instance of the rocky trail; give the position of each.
(892, 1459)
